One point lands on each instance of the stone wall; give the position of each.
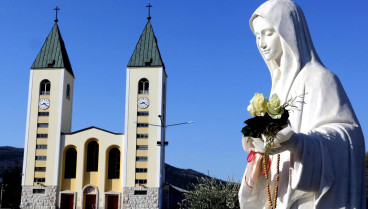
(38, 201)
(147, 201)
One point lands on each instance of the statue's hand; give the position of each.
(247, 144)
(259, 145)
(253, 144)
(284, 140)
(283, 135)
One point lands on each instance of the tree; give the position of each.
(13, 189)
(209, 193)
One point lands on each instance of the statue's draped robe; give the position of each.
(326, 168)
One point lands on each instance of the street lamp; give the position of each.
(165, 126)
(164, 143)
(1, 192)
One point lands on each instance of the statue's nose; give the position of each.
(263, 45)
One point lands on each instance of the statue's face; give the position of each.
(268, 40)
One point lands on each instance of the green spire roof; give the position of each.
(53, 53)
(146, 52)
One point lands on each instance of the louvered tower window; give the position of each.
(143, 86)
(45, 87)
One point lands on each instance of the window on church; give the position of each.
(143, 86)
(70, 163)
(38, 191)
(141, 181)
(143, 113)
(92, 156)
(140, 192)
(45, 87)
(41, 146)
(142, 136)
(40, 168)
(42, 135)
(42, 125)
(142, 124)
(142, 147)
(41, 157)
(141, 170)
(43, 113)
(68, 91)
(141, 158)
(39, 179)
(114, 163)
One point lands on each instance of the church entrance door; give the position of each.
(112, 201)
(67, 201)
(90, 202)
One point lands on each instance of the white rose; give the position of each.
(274, 109)
(258, 105)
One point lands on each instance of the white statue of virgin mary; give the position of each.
(322, 151)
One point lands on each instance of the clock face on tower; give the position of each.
(44, 103)
(143, 102)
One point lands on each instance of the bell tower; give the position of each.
(145, 114)
(49, 113)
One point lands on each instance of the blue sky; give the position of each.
(211, 59)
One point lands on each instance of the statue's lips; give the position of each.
(266, 51)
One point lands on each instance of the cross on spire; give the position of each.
(56, 10)
(149, 11)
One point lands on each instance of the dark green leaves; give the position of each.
(264, 125)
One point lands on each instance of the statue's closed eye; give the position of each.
(269, 32)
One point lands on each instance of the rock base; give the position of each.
(32, 197)
(137, 197)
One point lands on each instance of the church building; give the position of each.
(94, 168)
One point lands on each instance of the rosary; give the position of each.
(273, 206)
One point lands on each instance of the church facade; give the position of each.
(94, 168)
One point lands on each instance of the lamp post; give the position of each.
(163, 143)
(163, 126)
(1, 193)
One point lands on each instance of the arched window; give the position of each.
(70, 163)
(68, 91)
(143, 86)
(114, 163)
(45, 87)
(92, 156)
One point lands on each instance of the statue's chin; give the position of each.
(269, 57)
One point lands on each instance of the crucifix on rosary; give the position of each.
(56, 10)
(149, 11)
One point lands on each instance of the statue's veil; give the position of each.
(289, 22)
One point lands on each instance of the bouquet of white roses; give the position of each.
(270, 118)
